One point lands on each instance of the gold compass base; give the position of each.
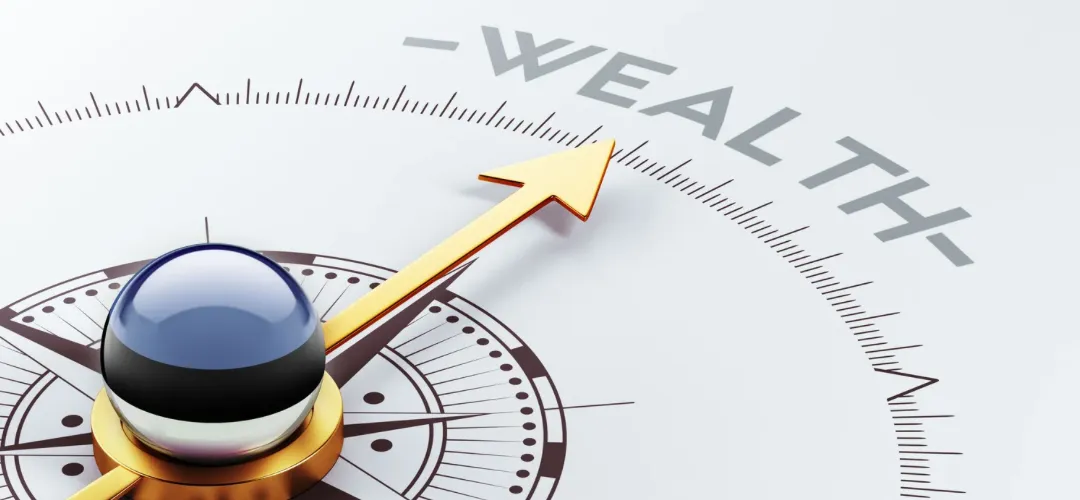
(279, 475)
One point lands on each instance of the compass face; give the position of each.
(717, 328)
(457, 391)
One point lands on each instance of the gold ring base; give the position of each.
(281, 474)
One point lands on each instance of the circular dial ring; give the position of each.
(458, 393)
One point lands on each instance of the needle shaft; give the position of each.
(113, 485)
(432, 265)
(572, 177)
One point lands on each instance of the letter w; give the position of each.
(529, 59)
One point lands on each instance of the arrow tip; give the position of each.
(572, 177)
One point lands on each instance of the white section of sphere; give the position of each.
(212, 443)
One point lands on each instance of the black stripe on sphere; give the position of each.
(212, 333)
(213, 396)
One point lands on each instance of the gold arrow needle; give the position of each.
(572, 178)
(112, 486)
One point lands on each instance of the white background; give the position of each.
(978, 98)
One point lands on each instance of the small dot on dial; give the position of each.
(434, 309)
(114, 286)
(527, 458)
(381, 445)
(374, 398)
(69, 300)
(72, 469)
(515, 381)
(522, 395)
(495, 354)
(482, 341)
(48, 309)
(529, 441)
(468, 329)
(526, 411)
(353, 280)
(452, 319)
(307, 272)
(373, 286)
(91, 293)
(71, 421)
(331, 276)
(27, 319)
(529, 426)
(515, 489)
(506, 368)
(522, 473)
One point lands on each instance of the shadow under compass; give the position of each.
(553, 216)
(617, 211)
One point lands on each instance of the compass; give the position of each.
(782, 289)
(457, 389)
(479, 413)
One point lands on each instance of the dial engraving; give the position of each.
(456, 404)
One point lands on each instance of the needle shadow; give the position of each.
(616, 210)
(553, 216)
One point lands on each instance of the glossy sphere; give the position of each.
(212, 353)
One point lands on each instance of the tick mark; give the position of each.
(430, 43)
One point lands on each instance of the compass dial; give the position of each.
(457, 404)
(638, 310)
(775, 295)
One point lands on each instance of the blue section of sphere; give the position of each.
(212, 307)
